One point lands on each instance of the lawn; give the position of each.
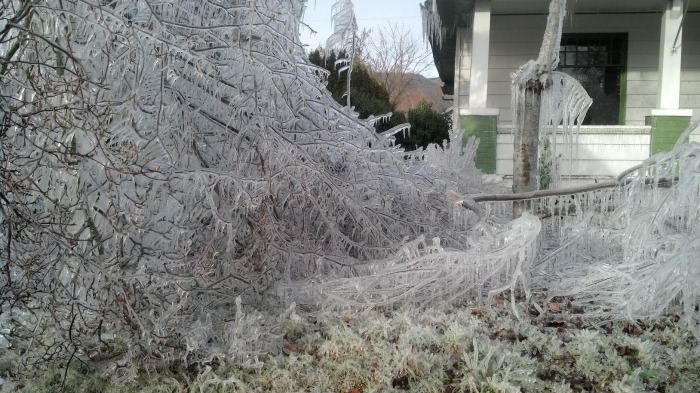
(474, 349)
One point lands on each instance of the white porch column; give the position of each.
(481, 29)
(458, 78)
(668, 121)
(670, 56)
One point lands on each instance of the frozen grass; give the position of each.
(471, 350)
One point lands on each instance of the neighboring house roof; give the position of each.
(457, 13)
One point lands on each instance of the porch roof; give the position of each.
(580, 6)
(453, 15)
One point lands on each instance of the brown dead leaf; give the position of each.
(632, 329)
(293, 348)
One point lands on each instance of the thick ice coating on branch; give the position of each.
(548, 59)
(563, 101)
(424, 273)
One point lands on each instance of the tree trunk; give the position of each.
(352, 60)
(527, 116)
(525, 155)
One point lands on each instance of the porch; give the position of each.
(639, 59)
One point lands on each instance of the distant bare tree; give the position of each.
(395, 56)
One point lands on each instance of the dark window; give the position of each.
(599, 62)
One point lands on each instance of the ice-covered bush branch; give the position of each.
(160, 160)
(623, 249)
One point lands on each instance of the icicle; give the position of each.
(433, 30)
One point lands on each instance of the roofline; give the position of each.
(451, 15)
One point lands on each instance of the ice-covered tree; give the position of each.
(542, 100)
(344, 37)
(161, 160)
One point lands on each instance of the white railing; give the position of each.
(594, 153)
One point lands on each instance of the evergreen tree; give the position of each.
(427, 126)
(371, 98)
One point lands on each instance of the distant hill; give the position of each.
(429, 89)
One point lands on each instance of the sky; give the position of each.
(370, 14)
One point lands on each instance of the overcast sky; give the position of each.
(370, 14)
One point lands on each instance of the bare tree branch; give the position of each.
(395, 57)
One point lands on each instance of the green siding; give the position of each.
(665, 131)
(485, 128)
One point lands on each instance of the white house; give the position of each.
(638, 59)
